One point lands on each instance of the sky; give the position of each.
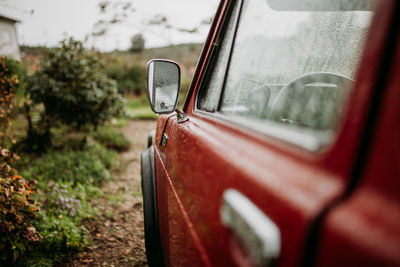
(47, 22)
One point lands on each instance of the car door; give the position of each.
(245, 157)
(366, 222)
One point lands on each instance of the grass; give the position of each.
(111, 139)
(137, 194)
(87, 166)
(116, 198)
(139, 109)
(68, 183)
(118, 122)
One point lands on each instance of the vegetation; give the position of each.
(66, 100)
(17, 211)
(111, 139)
(58, 119)
(73, 91)
(88, 166)
(129, 70)
(137, 43)
(139, 109)
(67, 181)
(17, 208)
(130, 80)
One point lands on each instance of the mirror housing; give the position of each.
(163, 82)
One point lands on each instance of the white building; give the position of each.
(8, 38)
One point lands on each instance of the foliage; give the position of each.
(129, 79)
(73, 89)
(8, 87)
(121, 11)
(17, 211)
(139, 109)
(61, 234)
(17, 208)
(60, 199)
(85, 167)
(67, 205)
(118, 122)
(68, 174)
(67, 181)
(111, 139)
(137, 43)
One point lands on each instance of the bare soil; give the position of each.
(117, 237)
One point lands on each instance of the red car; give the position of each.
(287, 149)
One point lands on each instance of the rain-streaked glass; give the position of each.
(210, 94)
(295, 68)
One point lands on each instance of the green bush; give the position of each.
(111, 139)
(73, 89)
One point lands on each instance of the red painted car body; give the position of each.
(339, 207)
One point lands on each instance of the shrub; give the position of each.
(17, 209)
(8, 87)
(73, 89)
(111, 139)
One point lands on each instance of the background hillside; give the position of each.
(129, 68)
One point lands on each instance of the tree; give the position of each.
(73, 89)
(137, 43)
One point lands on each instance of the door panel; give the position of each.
(204, 160)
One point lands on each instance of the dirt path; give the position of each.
(118, 237)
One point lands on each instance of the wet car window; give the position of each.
(210, 95)
(294, 68)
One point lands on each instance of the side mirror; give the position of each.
(163, 81)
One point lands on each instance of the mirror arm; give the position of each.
(181, 115)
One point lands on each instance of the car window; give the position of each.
(293, 67)
(210, 95)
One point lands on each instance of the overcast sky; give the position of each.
(46, 22)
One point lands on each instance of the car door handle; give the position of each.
(258, 234)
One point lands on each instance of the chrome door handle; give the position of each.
(259, 234)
